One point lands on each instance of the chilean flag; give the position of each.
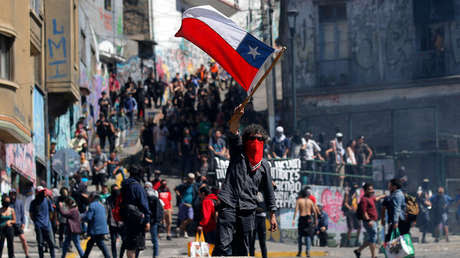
(238, 52)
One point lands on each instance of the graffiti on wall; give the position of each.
(382, 38)
(57, 57)
(330, 197)
(286, 175)
(39, 124)
(131, 68)
(184, 59)
(21, 158)
(61, 134)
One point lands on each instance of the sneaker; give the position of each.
(168, 238)
(357, 253)
(299, 254)
(185, 234)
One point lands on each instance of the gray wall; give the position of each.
(383, 44)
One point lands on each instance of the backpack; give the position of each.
(116, 211)
(156, 209)
(360, 211)
(411, 205)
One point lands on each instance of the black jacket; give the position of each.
(239, 190)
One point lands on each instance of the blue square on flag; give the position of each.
(254, 51)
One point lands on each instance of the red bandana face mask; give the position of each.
(254, 150)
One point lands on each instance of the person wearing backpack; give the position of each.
(367, 212)
(135, 212)
(441, 202)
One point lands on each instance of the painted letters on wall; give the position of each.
(57, 40)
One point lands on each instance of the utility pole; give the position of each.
(267, 38)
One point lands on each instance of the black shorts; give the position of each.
(17, 230)
(134, 238)
(99, 179)
(306, 226)
(353, 221)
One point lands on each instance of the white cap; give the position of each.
(148, 185)
(279, 129)
(338, 135)
(40, 188)
(191, 175)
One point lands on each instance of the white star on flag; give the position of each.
(253, 52)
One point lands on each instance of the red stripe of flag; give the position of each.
(203, 36)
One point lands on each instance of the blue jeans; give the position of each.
(99, 241)
(76, 241)
(154, 236)
(307, 243)
(44, 235)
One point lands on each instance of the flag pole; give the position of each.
(277, 58)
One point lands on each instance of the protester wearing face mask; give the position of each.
(247, 174)
(39, 211)
(165, 196)
(7, 220)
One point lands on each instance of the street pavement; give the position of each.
(177, 247)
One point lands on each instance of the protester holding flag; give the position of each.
(243, 57)
(248, 172)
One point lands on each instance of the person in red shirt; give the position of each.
(114, 87)
(165, 196)
(156, 181)
(209, 218)
(368, 213)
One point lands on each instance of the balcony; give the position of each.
(227, 7)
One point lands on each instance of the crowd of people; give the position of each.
(192, 126)
(396, 212)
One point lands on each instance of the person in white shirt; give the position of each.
(311, 151)
(339, 152)
(310, 147)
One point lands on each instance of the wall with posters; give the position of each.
(39, 124)
(21, 157)
(286, 174)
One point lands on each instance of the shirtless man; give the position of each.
(306, 227)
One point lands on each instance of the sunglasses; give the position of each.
(259, 138)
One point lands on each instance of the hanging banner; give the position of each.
(21, 158)
(39, 125)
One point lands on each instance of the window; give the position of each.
(5, 57)
(36, 6)
(108, 5)
(432, 20)
(333, 32)
(333, 44)
(82, 47)
(38, 69)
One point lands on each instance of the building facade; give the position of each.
(388, 70)
(22, 94)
